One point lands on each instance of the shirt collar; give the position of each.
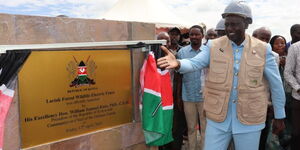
(191, 49)
(241, 45)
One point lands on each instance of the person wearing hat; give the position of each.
(242, 74)
(175, 36)
(179, 121)
(220, 28)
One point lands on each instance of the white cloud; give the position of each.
(17, 3)
(208, 12)
(278, 15)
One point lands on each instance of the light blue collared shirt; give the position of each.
(271, 73)
(191, 83)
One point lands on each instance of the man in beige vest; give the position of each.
(242, 72)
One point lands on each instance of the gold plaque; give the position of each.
(68, 93)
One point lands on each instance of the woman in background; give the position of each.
(278, 44)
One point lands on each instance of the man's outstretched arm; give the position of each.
(201, 60)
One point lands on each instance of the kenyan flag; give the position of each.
(157, 104)
(6, 96)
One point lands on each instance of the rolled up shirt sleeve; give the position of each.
(271, 73)
(198, 62)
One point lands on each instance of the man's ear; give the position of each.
(247, 22)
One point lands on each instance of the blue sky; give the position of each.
(278, 15)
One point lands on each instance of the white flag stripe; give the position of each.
(162, 72)
(7, 91)
(152, 92)
(2, 87)
(152, 54)
(141, 106)
(167, 107)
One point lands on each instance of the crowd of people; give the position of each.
(238, 91)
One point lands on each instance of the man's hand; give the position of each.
(278, 126)
(169, 61)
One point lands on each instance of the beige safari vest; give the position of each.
(253, 92)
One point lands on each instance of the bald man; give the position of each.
(164, 36)
(179, 121)
(262, 33)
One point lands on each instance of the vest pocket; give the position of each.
(254, 72)
(218, 71)
(252, 106)
(214, 101)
